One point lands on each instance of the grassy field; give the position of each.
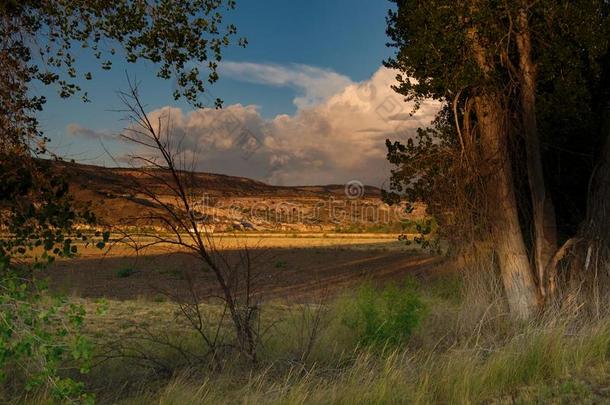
(433, 336)
(456, 353)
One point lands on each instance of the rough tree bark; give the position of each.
(506, 232)
(517, 275)
(543, 210)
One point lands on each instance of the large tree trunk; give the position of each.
(596, 228)
(517, 275)
(590, 263)
(506, 232)
(543, 210)
(598, 209)
(590, 267)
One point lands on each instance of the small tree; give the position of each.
(183, 39)
(163, 161)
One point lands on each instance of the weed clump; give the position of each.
(384, 317)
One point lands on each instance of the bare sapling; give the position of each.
(176, 222)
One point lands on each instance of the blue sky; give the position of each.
(300, 55)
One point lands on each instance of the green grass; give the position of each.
(542, 371)
(446, 340)
(383, 317)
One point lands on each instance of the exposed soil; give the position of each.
(291, 275)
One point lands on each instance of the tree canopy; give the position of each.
(525, 92)
(184, 39)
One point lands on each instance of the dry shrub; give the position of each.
(474, 314)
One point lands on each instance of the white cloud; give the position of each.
(338, 139)
(313, 84)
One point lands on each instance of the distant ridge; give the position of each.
(229, 201)
(116, 180)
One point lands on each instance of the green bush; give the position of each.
(384, 317)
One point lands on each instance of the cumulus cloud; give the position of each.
(313, 84)
(74, 129)
(338, 139)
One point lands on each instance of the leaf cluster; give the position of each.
(39, 333)
(41, 40)
(434, 56)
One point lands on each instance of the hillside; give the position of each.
(231, 202)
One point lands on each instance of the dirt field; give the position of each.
(292, 269)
